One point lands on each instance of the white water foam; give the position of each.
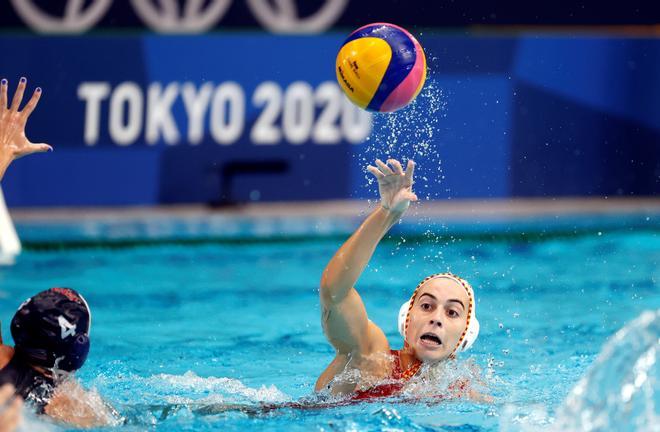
(188, 388)
(223, 388)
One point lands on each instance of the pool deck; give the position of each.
(447, 209)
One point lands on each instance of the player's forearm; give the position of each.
(346, 266)
(73, 405)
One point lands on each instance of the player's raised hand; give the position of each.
(394, 185)
(13, 142)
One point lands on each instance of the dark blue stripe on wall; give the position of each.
(403, 59)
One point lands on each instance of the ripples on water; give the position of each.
(170, 338)
(617, 393)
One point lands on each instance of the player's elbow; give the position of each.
(331, 290)
(326, 287)
(326, 292)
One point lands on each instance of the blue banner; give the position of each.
(251, 117)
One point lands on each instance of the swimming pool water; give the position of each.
(180, 326)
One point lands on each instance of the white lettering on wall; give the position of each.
(269, 96)
(159, 113)
(196, 103)
(227, 113)
(126, 113)
(93, 93)
(297, 114)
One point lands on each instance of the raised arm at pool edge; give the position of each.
(13, 142)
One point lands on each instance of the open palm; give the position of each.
(394, 185)
(13, 142)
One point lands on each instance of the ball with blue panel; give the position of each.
(381, 67)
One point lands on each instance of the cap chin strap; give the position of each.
(89, 313)
(472, 331)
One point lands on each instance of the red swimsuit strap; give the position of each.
(397, 370)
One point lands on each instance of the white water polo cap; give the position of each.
(472, 330)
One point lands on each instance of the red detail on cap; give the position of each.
(68, 293)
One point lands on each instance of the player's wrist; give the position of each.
(5, 160)
(393, 212)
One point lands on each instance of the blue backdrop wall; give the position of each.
(176, 119)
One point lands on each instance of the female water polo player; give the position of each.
(51, 329)
(436, 323)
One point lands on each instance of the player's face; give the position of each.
(438, 319)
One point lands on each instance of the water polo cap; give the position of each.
(472, 329)
(51, 329)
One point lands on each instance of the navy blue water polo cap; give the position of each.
(51, 329)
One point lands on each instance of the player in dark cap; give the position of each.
(51, 329)
(51, 335)
(51, 341)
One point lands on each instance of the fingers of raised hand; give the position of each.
(3, 95)
(40, 148)
(18, 95)
(398, 169)
(375, 171)
(32, 103)
(410, 170)
(32, 148)
(384, 168)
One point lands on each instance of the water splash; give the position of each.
(412, 133)
(451, 379)
(409, 134)
(619, 391)
(82, 407)
(215, 389)
(35, 423)
(412, 130)
(186, 388)
(179, 399)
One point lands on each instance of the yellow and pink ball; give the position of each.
(381, 67)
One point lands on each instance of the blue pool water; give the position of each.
(180, 326)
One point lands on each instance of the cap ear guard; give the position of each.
(470, 335)
(403, 314)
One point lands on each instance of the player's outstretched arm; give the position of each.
(344, 317)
